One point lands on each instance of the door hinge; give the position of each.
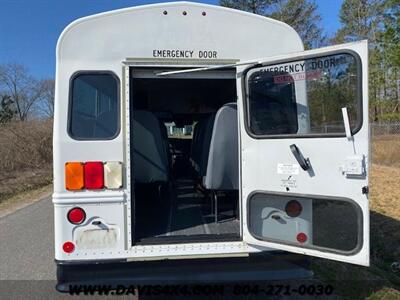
(365, 189)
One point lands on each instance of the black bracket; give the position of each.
(365, 190)
(303, 162)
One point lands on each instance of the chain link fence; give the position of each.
(377, 129)
(385, 128)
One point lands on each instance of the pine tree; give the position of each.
(377, 21)
(302, 15)
(259, 7)
(6, 111)
(390, 45)
(360, 19)
(391, 35)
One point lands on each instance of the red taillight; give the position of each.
(76, 215)
(94, 175)
(68, 247)
(301, 237)
(293, 208)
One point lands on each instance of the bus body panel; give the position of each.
(144, 35)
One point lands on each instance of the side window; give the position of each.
(94, 111)
(304, 97)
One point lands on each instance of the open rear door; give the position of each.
(305, 153)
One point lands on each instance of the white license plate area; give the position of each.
(97, 237)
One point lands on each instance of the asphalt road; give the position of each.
(27, 268)
(27, 238)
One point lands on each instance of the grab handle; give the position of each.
(303, 162)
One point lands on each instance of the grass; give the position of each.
(386, 150)
(15, 182)
(25, 156)
(378, 281)
(22, 199)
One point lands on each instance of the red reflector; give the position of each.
(94, 175)
(68, 247)
(301, 237)
(293, 208)
(76, 215)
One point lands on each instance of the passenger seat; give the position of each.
(150, 157)
(201, 144)
(222, 170)
(164, 135)
(205, 144)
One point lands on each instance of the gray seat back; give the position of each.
(223, 159)
(164, 135)
(201, 135)
(194, 151)
(149, 155)
(205, 144)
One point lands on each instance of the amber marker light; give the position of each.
(74, 176)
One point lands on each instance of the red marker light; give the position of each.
(94, 175)
(293, 208)
(68, 247)
(302, 237)
(76, 215)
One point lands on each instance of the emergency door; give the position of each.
(305, 153)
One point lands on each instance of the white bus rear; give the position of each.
(203, 138)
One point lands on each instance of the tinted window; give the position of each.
(304, 96)
(272, 105)
(94, 106)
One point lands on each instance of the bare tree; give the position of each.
(46, 102)
(23, 89)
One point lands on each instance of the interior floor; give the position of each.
(187, 216)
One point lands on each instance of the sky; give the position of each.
(29, 29)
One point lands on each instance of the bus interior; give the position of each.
(184, 157)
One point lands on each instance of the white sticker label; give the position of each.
(287, 169)
(289, 183)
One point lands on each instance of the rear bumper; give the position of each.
(260, 267)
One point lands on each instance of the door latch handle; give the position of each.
(303, 162)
